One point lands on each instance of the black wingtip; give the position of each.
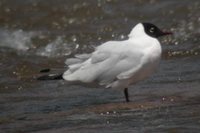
(45, 70)
(50, 77)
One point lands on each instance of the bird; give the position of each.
(117, 64)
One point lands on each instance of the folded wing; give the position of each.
(105, 65)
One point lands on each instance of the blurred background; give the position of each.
(37, 34)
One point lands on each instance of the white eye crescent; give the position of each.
(152, 29)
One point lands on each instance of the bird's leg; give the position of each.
(126, 94)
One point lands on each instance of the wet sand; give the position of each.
(39, 34)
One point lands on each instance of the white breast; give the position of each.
(152, 59)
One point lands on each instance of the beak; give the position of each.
(164, 33)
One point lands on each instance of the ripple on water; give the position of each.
(36, 35)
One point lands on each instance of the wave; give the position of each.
(18, 39)
(58, 47)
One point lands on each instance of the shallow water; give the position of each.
(36, 34)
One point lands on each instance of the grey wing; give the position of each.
(78, 59)
(88, 70)
(122, 66)
(105, 66)
(134, 64)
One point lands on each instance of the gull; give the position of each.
(117, 64)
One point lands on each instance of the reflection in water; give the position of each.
(39, 34)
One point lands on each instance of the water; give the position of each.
(36, 34)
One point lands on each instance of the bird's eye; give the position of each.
(152, 29)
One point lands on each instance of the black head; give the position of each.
(154, 31)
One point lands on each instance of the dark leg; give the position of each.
(126, 94)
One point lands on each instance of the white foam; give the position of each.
(58, 47)
(18, 39)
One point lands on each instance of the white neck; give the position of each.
(137, 31)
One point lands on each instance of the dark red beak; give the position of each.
(164, 33)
